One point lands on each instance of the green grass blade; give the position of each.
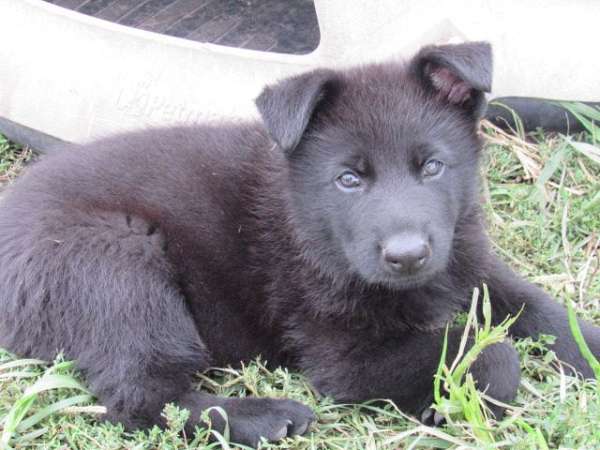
(586, 115)
(55, 381)
(51, 409)
(592, 203)
(589, 150)
(541, 440)
(520, 129)
(23, 439)
(580, 340)
(18, 374)
(486, 309)
(437, 381)
(50, 380)
(552, 165)
(60, 366)
(21, 363)
(14, 417)
(582, 109)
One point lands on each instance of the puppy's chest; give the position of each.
(397, 313)
(358, 309)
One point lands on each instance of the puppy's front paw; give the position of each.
(433, 418)
(251, 419)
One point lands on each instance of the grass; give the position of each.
(542, 199)
(12, 159)
(463, 401)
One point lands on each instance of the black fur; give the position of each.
(153, 255)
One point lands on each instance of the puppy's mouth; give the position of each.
(407, 282)
(401, 282)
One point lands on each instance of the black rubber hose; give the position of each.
(534, 113)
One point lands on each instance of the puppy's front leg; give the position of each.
(541, 315)
(351, 366)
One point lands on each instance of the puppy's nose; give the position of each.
(405, 253)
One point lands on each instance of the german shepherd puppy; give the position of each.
(338, 238)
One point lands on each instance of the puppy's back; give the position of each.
(182, 183)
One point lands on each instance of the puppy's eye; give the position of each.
(348, 180)
(432, 168)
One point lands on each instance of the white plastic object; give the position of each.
(75, 77)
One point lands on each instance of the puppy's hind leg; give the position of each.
(100, 287)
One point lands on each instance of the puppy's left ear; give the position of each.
(288, 107)
(458, 74)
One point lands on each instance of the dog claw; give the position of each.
(282, 433)
(432, 418)
(302, 428)
(439, 419)
(427, 416)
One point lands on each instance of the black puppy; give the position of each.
(339, 239)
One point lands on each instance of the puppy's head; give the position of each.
(383, 160)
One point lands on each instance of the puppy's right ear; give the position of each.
(288, 106)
